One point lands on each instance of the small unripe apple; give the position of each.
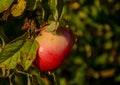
(53, 49)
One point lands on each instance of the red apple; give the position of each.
(53, 49)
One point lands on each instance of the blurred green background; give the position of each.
(95, 57)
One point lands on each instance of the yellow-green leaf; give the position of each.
(18, 8)
(5, 4)
(10, 56)
(21, 52)
(28, 52)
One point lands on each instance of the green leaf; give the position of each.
(31, 4)
(10, 50)
(28, 53)
(4, 4)
(60, 7)
(20, 52)
(46, 9)
(11, 62)
(17, 9)
(53, 7)
(19, 79)
(35, 72)
(56, 7)
(37, 79)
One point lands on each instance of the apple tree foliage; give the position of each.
(95, 58)
(20, 21)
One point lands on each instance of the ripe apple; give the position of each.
(53, 49)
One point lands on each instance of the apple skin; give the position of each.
(53, 49)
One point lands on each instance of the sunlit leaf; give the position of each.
(17, 9)
(10, 50)
(28, 53)
(11, 62)
(10, 55)
(4, 4)
(20, 52)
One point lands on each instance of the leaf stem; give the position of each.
(10, 77)
(3, 42)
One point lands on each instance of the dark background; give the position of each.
(95, 58)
